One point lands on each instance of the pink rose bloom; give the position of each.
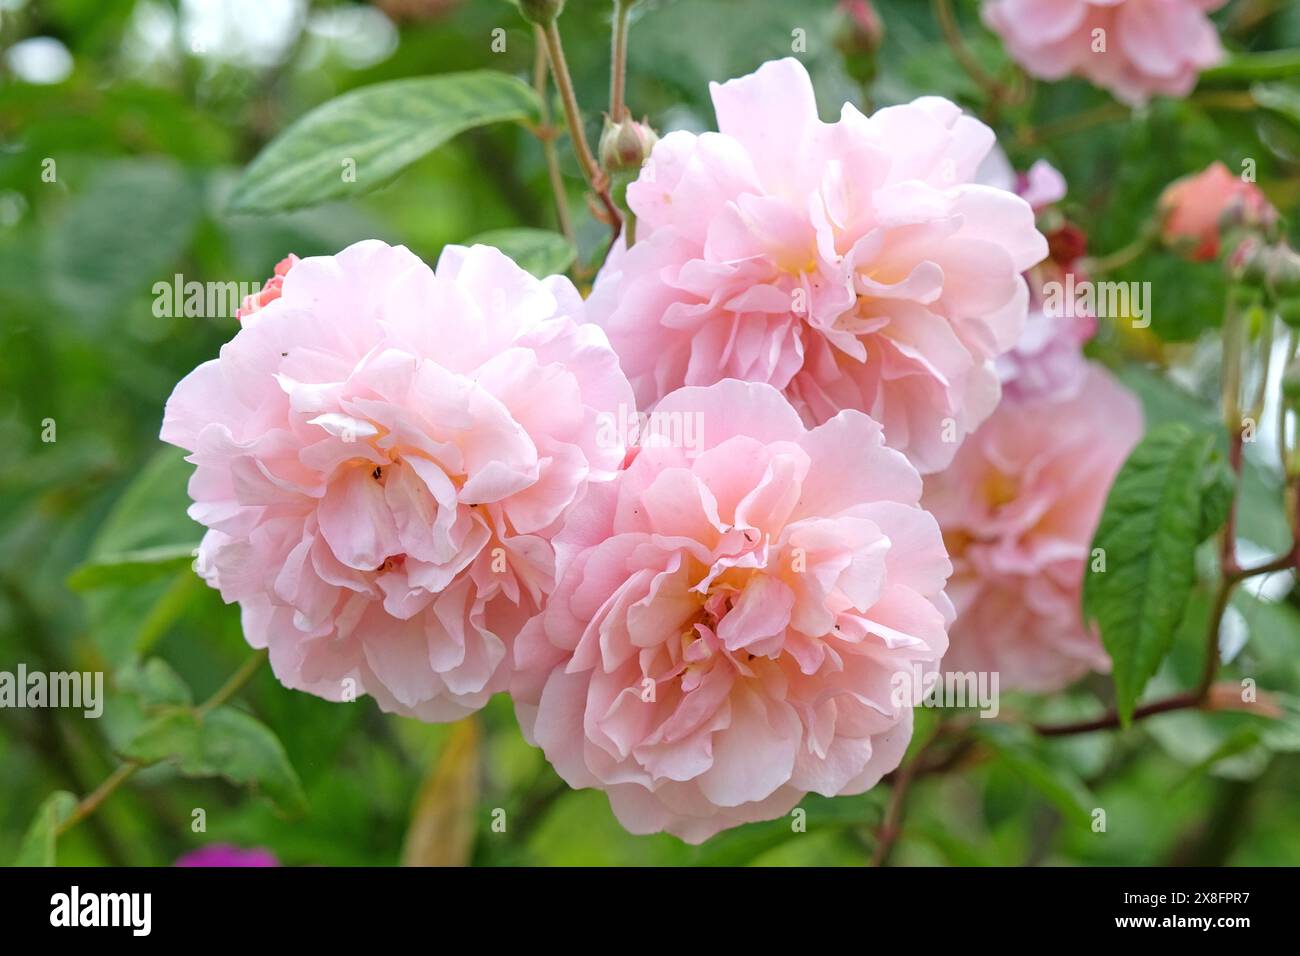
(852, 264)
(381, 454)
(1018, 510)
(1150, 46)
(1046, 362)
(727, 619)
(1196, 209)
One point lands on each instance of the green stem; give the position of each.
(595, 177)
(92, 801)
(618, 60)
(547, 137)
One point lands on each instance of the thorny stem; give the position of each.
(595, 176)
(547, 137)
(91, 802)
(618, 60)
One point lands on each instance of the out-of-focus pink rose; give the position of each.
(269, 292)
(1018, 508)
(382, 453)
(726, 625)
(851, 264)
(1046, 361)
(1195, 208)
(1134, 48)
(224, 854)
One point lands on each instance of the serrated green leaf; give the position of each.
(539, 251)
(1148, 532)
(224, 743)
(376, 131)
(40, 840)
(244, 750)
(154, 684)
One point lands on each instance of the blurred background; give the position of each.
(123, 127)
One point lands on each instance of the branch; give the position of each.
(595, 176)
(91, 802)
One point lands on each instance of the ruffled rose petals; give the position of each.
(1136, 49)
(730, 616)
(381, 456)
(1018, 508)
(854, 264)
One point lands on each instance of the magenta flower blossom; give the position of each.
(226, 855)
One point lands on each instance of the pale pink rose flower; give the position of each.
(381, 455)
(1144, 47)
(852, 264)
(1196, 210)
(1047, 361)
(737, 622)
(1018, 508)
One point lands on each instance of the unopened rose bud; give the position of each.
(1196, 210)
(858, 36)
(541, 11)
(863, 31)
(626, 145)
(1282, 271)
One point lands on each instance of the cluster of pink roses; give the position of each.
(411, 489)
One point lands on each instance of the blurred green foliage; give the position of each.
(147, 136)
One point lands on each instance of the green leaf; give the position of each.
(1023, 753)
(541, 252)
(38, 846)
(154, 684)
(1264, 65)
(119, 235)
(226, 743)
(244, 750)
(1148, 533)
(139, 583)
(131, 567)
(377, 131)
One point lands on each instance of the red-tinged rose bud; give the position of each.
(1196, 210)
(864, 31)
(625, 146)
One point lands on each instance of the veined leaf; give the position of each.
(38, 846)
(1157, 512)
(364, 138)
